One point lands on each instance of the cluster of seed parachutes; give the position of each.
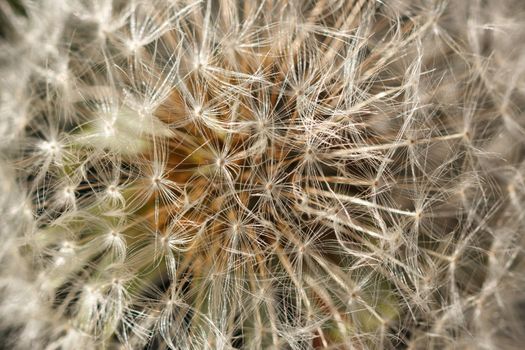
(256, 175)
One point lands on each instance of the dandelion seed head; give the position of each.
(261, 174)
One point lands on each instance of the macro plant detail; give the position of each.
(220, 174)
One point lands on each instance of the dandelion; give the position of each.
(215, 174)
